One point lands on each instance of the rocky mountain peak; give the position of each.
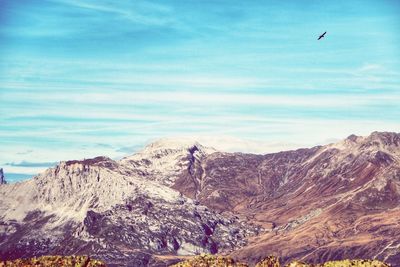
(375, 139)
(383, 142)
(164, 160)
(353, 138)
(384, 138)
(92, 161)
(175, 145)
(100, 161)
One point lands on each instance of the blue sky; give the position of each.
(83, 78)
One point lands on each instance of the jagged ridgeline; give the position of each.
(177, 198)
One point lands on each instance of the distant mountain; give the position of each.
(2, 178)
(177, 198)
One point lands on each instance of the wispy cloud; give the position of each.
(31, 164)
(143, 12)
(129, 150)
(192, 99)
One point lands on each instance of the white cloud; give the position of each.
(208, 98)
(370, 67)
(269, 136)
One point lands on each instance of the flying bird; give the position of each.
(322, 35)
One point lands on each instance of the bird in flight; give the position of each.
(322, 35)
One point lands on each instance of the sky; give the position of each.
(82, 78)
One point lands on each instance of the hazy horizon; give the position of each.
(81, 78)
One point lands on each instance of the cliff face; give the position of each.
(172, 199)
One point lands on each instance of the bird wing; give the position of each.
(322, 35)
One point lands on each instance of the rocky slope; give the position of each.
(330, 202)
(120, 214)
(173, 199)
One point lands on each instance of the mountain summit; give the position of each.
(177, 198)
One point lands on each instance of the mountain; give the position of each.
(120, 212)
(177, 198)
(332, 202)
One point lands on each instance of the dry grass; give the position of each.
(54, 261)
(221, 261)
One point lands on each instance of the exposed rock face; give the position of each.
(2, 178)
(113, 212)
(332, 202)
(165, 160)
(324, 203)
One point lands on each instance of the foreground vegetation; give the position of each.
(197, 261)
(221, 261)
(54, 261)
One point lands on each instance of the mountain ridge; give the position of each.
(211, 201)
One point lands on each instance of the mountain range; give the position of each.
(178, 198)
